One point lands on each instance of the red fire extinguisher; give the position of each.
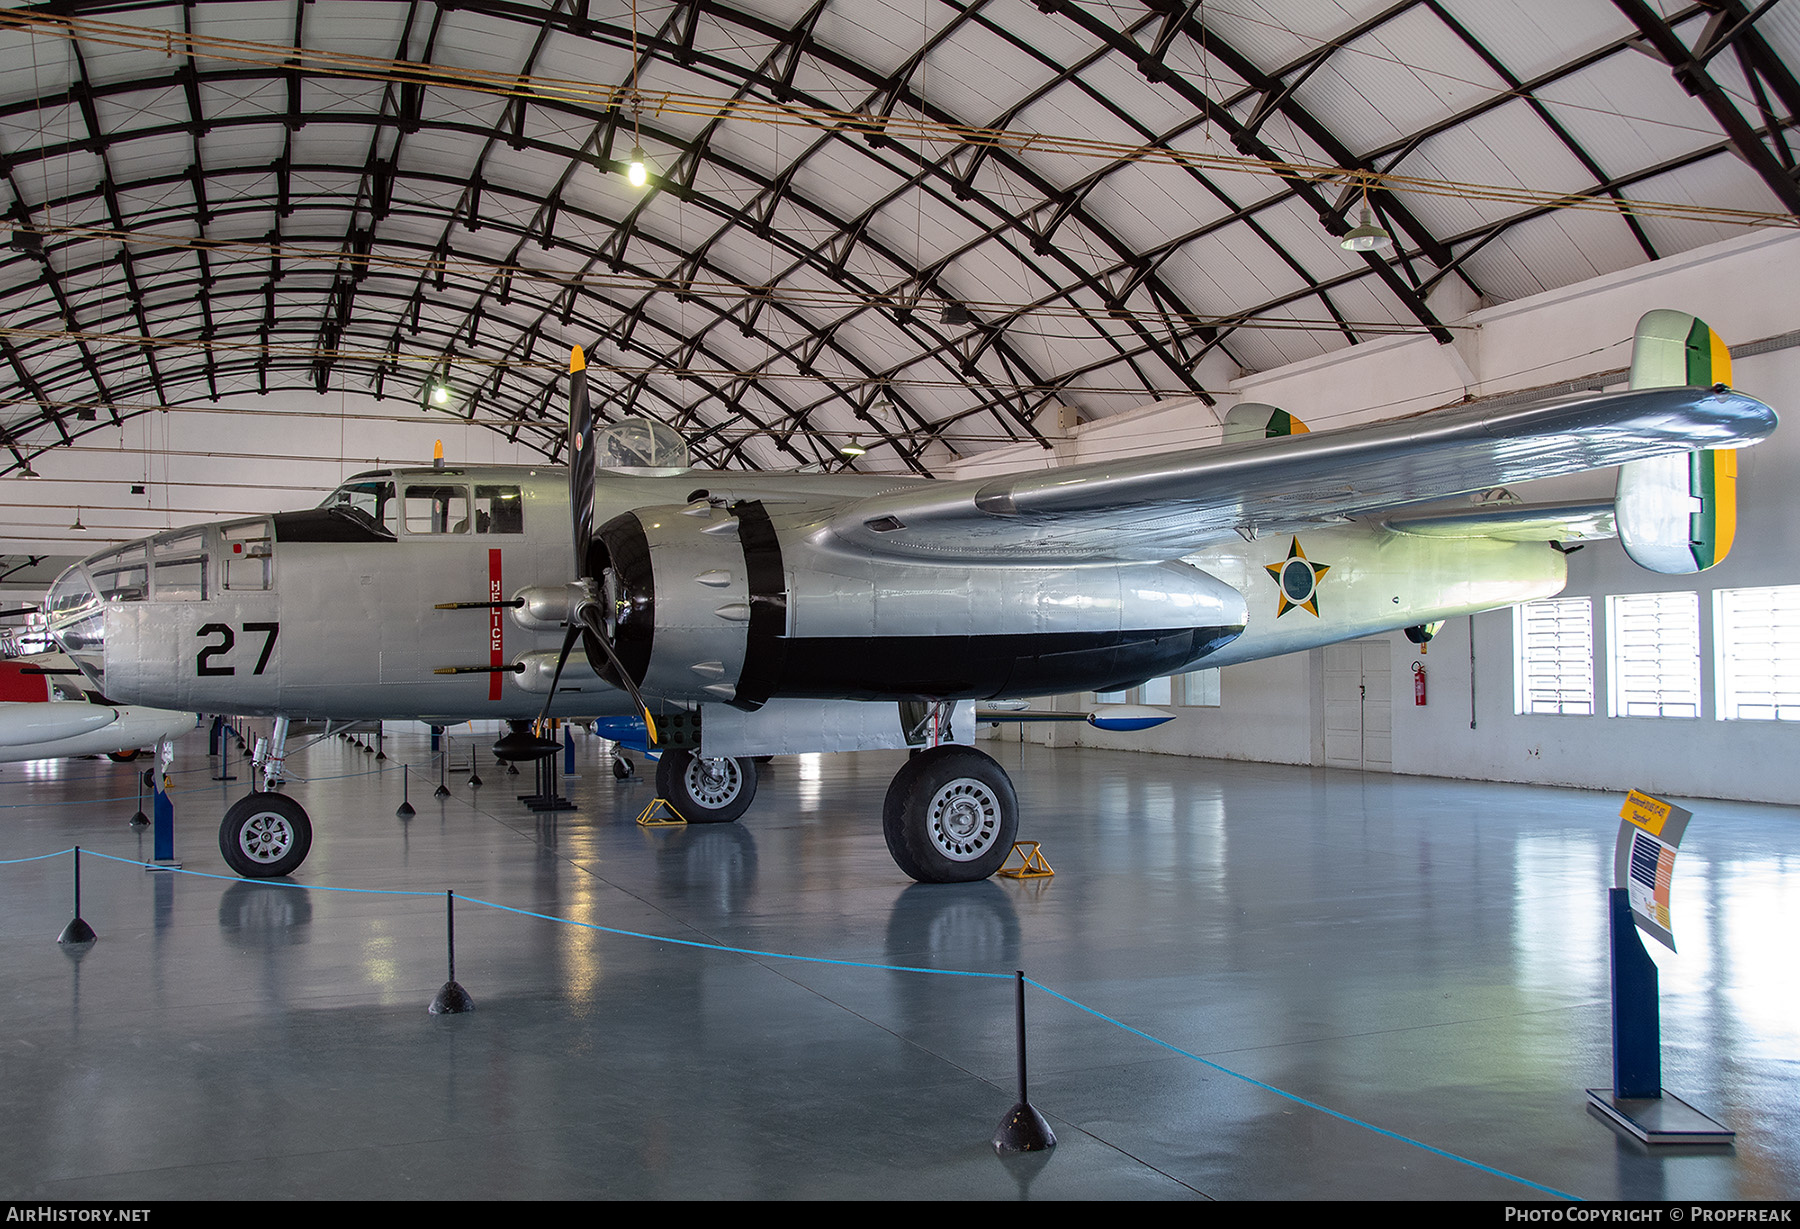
(1419, 684)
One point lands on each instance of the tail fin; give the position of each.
(1251, 420)
(1678, 514)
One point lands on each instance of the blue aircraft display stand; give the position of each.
(162, 830)
(1637, 1102)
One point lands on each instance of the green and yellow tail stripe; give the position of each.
(1283, 423)
(1713, 474)
(1673, 350)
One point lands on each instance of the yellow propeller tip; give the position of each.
(577, 361)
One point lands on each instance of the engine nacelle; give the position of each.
(709, 604)
(676, 593)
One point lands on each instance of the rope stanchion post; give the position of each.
(452, 998)
(405, 809)
(443, 788)
(226, 734)
(1023, 1129)
(138, 818)
(77, 931)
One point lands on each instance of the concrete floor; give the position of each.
(1426, 956)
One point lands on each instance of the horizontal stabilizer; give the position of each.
(1678, 514)
(1167, 504)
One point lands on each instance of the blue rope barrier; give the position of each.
(876, 967)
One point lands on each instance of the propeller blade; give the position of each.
(581, 460)
(591, 616)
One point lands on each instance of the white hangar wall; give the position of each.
(1273, 711)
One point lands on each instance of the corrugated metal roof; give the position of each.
(409, 185)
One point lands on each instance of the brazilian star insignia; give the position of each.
(1297, 577)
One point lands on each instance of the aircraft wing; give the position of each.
(1161, 506)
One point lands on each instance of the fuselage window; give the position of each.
(437, 509)
(499, 509)
(247, 548)
(180, 568)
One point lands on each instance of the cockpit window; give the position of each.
(121, 576)
(499, 509)
(437, 508)
(373, 498)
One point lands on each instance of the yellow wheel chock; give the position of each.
(1031, 862)
(660, 814)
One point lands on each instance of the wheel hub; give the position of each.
(266, 838)
(964, 819)
(714, 783)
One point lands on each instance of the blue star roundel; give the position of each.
(1297, 578)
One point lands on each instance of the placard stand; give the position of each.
(1637, 1102)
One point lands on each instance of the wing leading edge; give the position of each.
(1159, 506)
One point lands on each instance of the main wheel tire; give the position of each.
(706, 791)
(950, 816)
(124, 757)
(265, 836)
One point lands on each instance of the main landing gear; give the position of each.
(706, 791)
(951, 815)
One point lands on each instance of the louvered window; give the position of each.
(1200, 689)
(1758, 633)
(1654, 643)
(1555, 643)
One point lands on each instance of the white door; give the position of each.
(1359, 713)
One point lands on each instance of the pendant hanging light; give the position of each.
(1367, 235)
(637, 171)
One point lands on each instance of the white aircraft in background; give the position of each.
(38, 722)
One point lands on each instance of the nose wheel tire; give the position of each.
(706, 791)
(265, 836)
(951, 816)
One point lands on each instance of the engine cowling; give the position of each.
(706, 603)
(675, 589)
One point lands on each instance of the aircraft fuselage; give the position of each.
(734, 597)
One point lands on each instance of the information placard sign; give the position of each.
(1644, 860)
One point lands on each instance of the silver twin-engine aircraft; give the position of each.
(746, 614)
